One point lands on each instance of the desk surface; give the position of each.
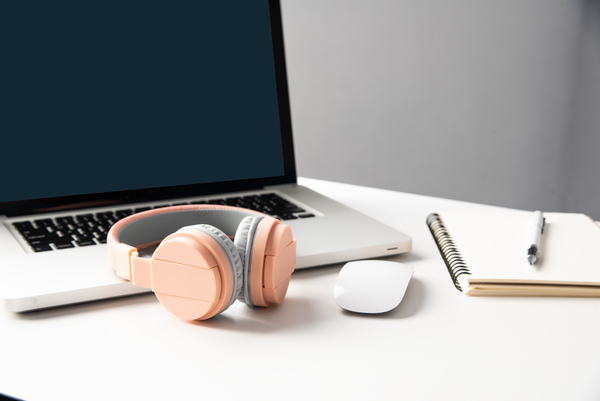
(438, 344)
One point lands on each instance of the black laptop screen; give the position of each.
(106, 97)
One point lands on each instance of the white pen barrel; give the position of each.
(535, 230)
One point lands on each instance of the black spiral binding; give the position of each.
(454, 261)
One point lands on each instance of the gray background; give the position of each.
(487, 101)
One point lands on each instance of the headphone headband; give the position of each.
(152, 226)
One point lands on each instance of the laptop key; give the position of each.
(63, 244)
(217, 202)
(306, 215)
(33, 232)
(123, 213)
(42, 248)
(23, 226)
(65, 221)
(295, 210)
(44, 223)
(41, 241)
(102, 238)
(40, 236)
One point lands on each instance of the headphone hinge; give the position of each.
(141, 271)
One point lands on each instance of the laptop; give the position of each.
(111, 109)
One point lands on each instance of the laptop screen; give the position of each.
(141, 100)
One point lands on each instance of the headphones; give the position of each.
(197, 271)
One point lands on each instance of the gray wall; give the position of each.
(479, 100)
(583, 181)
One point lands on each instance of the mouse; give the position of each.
(372, 286)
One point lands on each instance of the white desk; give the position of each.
(437, 345)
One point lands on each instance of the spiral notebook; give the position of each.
(486, 253)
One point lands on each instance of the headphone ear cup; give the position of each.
(196, 272)
(279, 263)
(244, 241)
(270, 254)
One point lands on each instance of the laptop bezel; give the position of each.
(45, 205)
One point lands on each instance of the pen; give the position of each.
(535, 233)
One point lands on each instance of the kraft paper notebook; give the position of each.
(486, 253)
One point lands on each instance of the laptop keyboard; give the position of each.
(88, 229)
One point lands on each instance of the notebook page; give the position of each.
(494, 246)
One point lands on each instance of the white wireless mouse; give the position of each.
(372, 286)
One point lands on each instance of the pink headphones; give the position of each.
(197, 271)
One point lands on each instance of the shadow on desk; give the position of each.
(309, 303)
(293, 313)
(409, 306)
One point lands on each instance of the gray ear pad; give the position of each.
(244, 241)
(232, 254)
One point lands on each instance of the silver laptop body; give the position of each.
(327, 232)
